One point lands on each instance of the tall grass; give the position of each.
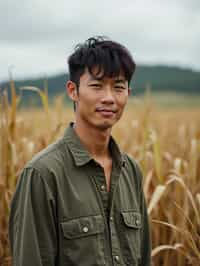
(165, 143)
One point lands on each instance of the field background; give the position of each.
(161, 131)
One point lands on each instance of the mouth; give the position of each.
(107, 112)
(102, 109)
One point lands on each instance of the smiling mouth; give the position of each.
(106, 112)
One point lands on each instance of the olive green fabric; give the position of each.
(62, 215)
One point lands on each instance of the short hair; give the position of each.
(110, 58)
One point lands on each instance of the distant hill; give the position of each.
(158, 78)
(165, 78)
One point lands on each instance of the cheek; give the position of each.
(122, 101)
(87, 104)
(85, 100)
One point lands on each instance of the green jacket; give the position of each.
(62, 215)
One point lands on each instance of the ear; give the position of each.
(71, 89)
(129, 91)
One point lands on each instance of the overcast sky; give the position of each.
(37, 36)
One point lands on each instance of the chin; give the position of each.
(105, 125)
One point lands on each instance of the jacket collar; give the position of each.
(79, 152)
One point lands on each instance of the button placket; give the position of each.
(113, 232)
(101, 186)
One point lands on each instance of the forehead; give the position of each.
(96, 75)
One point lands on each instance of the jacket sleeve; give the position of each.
(145, 230)
(32, 222)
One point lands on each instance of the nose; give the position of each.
(108, 97)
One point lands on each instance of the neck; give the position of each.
(96, 141)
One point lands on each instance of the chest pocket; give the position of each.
(132, 223)
(83, 240)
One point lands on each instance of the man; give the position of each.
(80, 200)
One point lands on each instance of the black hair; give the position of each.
(110, 58)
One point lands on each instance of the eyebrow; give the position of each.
(120, 81)
(94, 78)
(99, 79)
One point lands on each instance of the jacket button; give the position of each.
(85, 229)
(111, 218)
(137, 222)
(117, 258)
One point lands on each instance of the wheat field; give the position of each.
(165, 142)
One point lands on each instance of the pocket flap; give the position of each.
(132, 219)
(83, 226)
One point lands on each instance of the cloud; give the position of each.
(37, 35)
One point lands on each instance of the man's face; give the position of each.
(100, 102)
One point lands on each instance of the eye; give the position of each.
(96, 85)
(120, 88)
